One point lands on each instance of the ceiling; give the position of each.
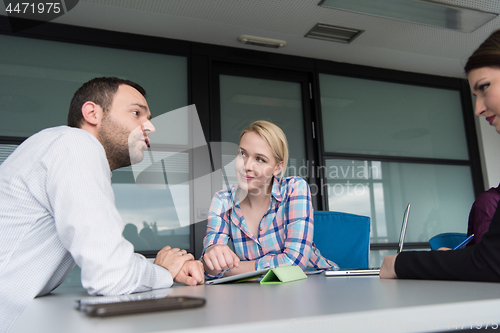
(385, 43)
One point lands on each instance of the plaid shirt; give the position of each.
(285, 234)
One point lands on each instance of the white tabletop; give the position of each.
(347, 304)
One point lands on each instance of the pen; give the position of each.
(468, 239)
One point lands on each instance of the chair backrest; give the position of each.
(447, 239)
(343, 238)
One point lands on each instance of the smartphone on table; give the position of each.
(100, 309)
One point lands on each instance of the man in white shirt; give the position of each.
(57, 204)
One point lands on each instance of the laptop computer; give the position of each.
(374, 271)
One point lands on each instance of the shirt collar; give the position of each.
(234, 195)
(275, 192)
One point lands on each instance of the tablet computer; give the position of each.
(239, 277)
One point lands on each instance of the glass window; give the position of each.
(244, 100)
(377, 257)
(363, 118)
(382, 118)
(5, 151)
(150, 215)
(36, 89)
(382, 190)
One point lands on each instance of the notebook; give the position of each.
(375, 271)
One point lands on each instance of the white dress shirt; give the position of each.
(57, 207)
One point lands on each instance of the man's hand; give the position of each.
(387, 269)
(172, 259)
(191, 273)
(219, 257)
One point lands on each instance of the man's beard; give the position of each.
(114, 138)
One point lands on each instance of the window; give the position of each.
(387, 144)
(37, 87)
(245, 100)
(249, 94)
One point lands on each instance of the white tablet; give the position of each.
(239, 277)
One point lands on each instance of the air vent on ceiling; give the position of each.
(333, 33)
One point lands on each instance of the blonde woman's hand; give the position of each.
(219, 257)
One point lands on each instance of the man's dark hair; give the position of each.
(101, 91)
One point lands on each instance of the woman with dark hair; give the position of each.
(480, 262)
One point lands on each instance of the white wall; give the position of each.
(489, 149)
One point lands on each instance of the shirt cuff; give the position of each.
(213, 277)
(210, 276)
(262, 263)
(163, 278)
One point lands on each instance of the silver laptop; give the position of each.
(375, 271)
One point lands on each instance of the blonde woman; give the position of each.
(268, 218)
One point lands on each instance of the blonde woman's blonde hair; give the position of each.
(274, 137)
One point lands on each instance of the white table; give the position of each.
(342, 304)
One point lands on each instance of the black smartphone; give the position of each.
(141, 306)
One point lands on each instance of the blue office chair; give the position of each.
(343, 238)
(447, 239)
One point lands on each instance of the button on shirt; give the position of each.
(285, 235)
(57, 207)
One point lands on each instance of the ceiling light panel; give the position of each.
(428, 12)
(261, 41)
